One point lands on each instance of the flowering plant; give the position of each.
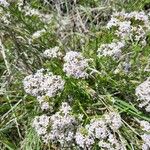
(74, 75)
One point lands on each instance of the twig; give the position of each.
(3, 52)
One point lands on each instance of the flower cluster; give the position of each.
(143, 94)
(75, 65)
(40, 84)
(146, 136)
(29, 11)
(131, 26)
(58, 128)
(38, 33)
(145, 126)
(63, 128)
(41, 124)
(113, 119)
(4, 3)
(112, 49)
(83, 138)
(45, 104)
(52, 53)
(100, 130)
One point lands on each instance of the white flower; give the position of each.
(124, 29)
(84, 141)
(145, 125)
(143, 94)
(4, 3)
(41, 124)
(44, 103)
(80, 140)
(120, 15)
(98, 128)
(40, 84)
(104, 144)
(58, 128)
(65, 108)
(29, 11)
(114, 120)
(141, 16)
(52, 53)
(45, 106)
(146, 136)
(145, 147)
(138, 35)
(38, 33)
(138, 16)
(146, 139)
(131, 26)
(113, 49)
(62, 127)
(111, 143)
(46, 18)
(112, 22)
(75, 65)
